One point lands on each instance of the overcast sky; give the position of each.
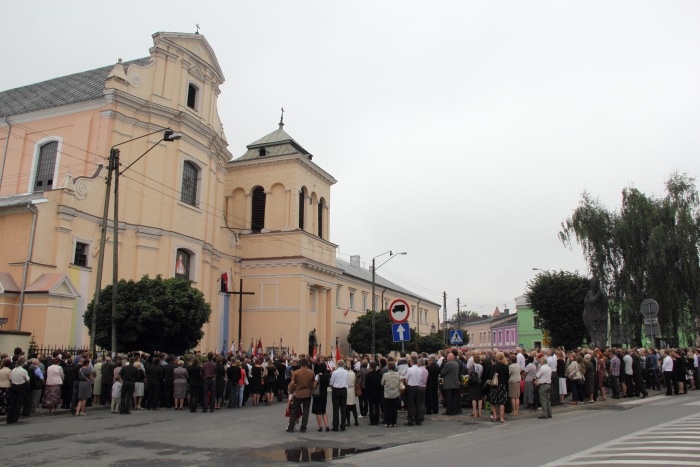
(461, 132)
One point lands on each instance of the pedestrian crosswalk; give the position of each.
(670, 444)
(656, 400)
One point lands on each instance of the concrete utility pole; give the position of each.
(444, 316)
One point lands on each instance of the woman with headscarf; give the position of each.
(54, 381)
(179, 385)
(392, 395)
(530, 376)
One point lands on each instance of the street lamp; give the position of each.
(374, 270)
(113, 165)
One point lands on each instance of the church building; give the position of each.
(187, 207)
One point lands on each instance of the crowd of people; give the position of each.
(360, 386)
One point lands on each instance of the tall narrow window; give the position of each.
(192, 96)
(352, 301)
(81, 254)
(45, 167)
(302, 197)
(182, 264)
(257, 222)
(189, 184)
(320, 219)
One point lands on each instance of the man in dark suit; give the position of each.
(431, 388)
(129, 373)
(169, 380)
(450, 383)
(107, 371)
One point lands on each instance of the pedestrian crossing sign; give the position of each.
(456, 337)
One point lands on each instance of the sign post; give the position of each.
(399, 311)
(456, 337)
(650, 311)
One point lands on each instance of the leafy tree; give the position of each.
(152, 314)
(557, 298)
(429, 343)
(360, 335)
(649, 249)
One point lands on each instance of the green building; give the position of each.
(529, 334)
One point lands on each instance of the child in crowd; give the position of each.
(116, 394)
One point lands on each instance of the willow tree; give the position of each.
(647, 249)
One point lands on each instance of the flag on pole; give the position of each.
(337, 353)
(252, 349)
(259, 350)
(315, 355)
(223, 349)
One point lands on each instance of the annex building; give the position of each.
(190, 208)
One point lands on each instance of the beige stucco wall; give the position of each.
(292, 272)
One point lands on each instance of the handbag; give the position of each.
(402, 388)
(317, 391)
(358, 390)
(494, 380)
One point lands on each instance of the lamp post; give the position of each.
(374, 270)
(113, 165)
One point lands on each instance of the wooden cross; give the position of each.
(240, 294)
(197, 28)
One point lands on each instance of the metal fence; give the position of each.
(72, 351)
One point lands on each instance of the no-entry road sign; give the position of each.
(399, 311)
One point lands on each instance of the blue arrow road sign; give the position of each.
(456, 337)
(401, 332)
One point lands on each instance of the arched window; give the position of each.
(182, 263)
(257, 221)
(46, 166)
(190, 183)
(302, 197)
(192, 94)
(320, 218)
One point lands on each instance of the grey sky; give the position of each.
(461, 132)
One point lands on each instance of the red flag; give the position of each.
(315, 355)
(252, 349)
(259, 349)
(337, 353)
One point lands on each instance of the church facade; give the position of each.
(189, 208)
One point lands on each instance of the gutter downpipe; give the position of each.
(26, 265)
(4, 154)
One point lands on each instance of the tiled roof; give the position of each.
(380, 282)
(18, 200)
(71, 89)
(7, 283)
(277, 143)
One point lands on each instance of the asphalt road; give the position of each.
(655, 430)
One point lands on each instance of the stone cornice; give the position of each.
(298, 158)
(144, 231)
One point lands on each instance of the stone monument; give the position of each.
(595, 314)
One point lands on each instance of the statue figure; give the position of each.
(595, 314)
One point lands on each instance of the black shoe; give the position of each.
(543, 417)
(418, 423)
(319, 429)
(302, 429)
(335, 429)
(342, 428)
(289, 430)
(409, 424)
(328, 429)
(357, 424)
